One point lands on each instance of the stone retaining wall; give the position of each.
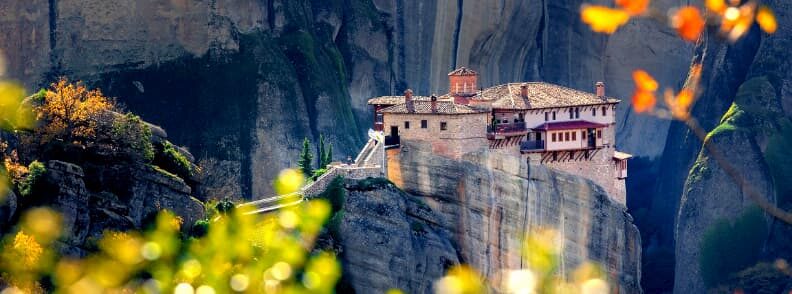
(349, 172)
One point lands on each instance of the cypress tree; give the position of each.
(328, 155)
(320, 159)
(306, 159)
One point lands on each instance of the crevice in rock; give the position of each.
(457, 29)
(541, 39)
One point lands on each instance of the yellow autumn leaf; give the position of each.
(717, 6)
(633, 7)
(603, 19)
(766, 20)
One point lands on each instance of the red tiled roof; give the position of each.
(463, 71)
(393, 100)
(569, 125)
(540, 95)
(425, 107)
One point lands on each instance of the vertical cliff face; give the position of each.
(252, 78)
(391, 240)
(488, 202)
(746, 105)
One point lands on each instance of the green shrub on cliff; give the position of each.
(133, 137)
(730, 247)
(762, 278)
(305, 163)
(170, 159)
(36, 172)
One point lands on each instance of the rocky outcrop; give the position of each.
(698, 213)
(486, 202)
(391, 240)
(748, 84)
(89, 208)
(261, 75)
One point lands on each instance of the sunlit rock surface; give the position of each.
(487, 202)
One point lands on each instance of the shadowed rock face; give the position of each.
(390, 240)
(249, 79)
(487, 202)
(88, 207)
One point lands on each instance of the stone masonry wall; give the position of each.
(465, 133)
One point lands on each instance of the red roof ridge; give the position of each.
(569, 125)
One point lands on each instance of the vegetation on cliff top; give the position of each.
(234, 252)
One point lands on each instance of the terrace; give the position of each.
(503, 130)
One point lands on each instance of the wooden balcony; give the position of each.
(501, 131)
(532, 146)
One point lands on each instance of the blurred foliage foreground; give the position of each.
(234, 252)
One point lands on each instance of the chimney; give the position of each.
(434, 104)
(524, 90)
(600, 86)
(408, 100)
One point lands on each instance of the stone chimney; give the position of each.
(524, 90)
(408, 100)
(463, 82)
(600, 87)
(434, 104)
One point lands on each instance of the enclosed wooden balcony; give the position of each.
(503, 130)
(532, 146)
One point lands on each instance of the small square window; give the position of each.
(423, 124)
(443, 126)
(406, 125)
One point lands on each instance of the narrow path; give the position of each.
(363, 162)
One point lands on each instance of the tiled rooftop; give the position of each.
(621, 155)
(540, 95)
(463, 71)
(507, 96)
(393, 100)
(569, 125)
(424, 107)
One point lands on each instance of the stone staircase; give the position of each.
(370, 162)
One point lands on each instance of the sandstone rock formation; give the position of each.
(261, 75)
(487, 202)
(748, 84)
(390, 240)
(87, 213)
